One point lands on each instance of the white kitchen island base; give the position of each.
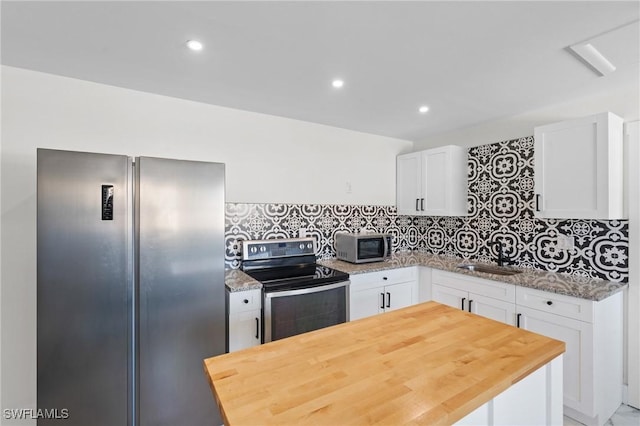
(534, 400)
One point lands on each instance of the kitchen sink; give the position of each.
(489, 269)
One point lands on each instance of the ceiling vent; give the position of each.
(593, 58)
(618, 46)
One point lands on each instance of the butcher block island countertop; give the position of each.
(425, 364)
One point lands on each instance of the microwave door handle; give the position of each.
(386, 246)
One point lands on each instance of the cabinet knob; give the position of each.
(245, 301)
(549, 302)
(384, 278)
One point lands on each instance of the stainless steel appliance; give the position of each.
(362, 248)
(299, 295)
(130, 288)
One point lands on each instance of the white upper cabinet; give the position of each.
(408, 183)
(432, 182)
(579, 168)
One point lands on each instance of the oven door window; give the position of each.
(296, 314)
(370, 248)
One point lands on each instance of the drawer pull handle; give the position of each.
(518, 320)
(245, 301)
(549, 302)
(382, 306)
(384, 278)
(462, 305)
(257, 328)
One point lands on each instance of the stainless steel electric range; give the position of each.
(298, 295)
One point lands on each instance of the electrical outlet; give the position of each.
(565, 242)
(302, 232)
(348, 188)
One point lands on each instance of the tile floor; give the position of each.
(624, 416)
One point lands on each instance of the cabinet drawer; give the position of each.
(488, 288)
(386, 277)
(241, 301)
(559, 304)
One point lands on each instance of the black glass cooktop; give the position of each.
(296, 276)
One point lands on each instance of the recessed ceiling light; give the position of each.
(337, 83)
(423, 109)
(194, 45)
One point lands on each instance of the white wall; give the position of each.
(268, 159)
(624, 102)
(1, 421)
(633, 293)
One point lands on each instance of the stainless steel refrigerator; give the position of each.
(130, 288)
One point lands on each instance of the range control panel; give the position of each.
(270, 249)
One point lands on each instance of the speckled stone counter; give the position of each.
(236, 280)
(569, 285)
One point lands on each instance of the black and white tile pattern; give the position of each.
(265, 221)
(501, 202)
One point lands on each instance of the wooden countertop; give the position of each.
(425, 364)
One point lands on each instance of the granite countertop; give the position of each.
(236, 280)
(569, 285)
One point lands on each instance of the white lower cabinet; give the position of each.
(449, 296)
(383, 291)
(591, 330)
(471, 294)
(495, 309)
(576, 335)
(244, 322)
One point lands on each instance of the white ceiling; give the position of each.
(470, 62)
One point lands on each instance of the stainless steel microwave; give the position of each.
(362, 248)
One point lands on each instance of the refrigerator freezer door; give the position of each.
(84, 287)
(180, 245)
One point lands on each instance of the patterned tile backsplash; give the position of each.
(501, 208)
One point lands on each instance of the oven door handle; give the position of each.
(309, 290)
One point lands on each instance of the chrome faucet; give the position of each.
(502, 259)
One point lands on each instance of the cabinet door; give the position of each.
(365, 303)
(408, 184)
(492, 308)
(435, 181)
(444, 181)
(399, 296)
(244, 330)
(449, 296)
(578, 168)
(578, 358)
